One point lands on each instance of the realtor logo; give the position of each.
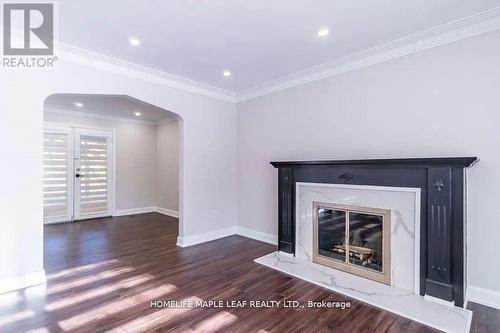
(37, 23)
(28, 35)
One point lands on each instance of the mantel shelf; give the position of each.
(463, 162)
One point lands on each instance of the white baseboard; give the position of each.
(24, 281)
(144, 210)
(257, 235)
(205, 237)
(165, 211)
(133, 211)
(483, 296)
(221, 233)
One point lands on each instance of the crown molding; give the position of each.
(166, 121)
(450, 32)
(454, 31)
(76, 55)
(84, 57)
(57, 110)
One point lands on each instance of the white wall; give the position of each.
(208, 173)
(136, 158)
(167, 165)
(441, 102)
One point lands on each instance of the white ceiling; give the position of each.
(258, 40)
(108, 105)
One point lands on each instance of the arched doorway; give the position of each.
(109, 157)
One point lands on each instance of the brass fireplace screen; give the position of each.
(353, 239)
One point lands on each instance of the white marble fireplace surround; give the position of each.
(404, 204)
(403, 296)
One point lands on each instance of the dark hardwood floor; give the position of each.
(102, 275)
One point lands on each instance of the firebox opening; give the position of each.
(353, 239)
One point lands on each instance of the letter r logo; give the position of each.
(35, 21)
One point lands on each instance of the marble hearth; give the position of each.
(443, 317)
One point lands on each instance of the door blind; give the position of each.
(94, 176)
(55, 175)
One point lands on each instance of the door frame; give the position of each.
(78, 132)
(58, 129)
(71, 127)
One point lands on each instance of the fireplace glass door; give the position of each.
(365, 240)
(353, 239)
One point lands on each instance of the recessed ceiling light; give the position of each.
(323, 32)
(137, 114)
(226, 73)
(78, 104)
(134, 41)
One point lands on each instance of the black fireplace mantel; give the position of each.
(442, 219)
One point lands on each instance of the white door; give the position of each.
(78, 174)
(57, 174)
(93, 173)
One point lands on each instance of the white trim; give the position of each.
(92, 216)
(83, 57)
(109, 135)
(168, 212)
(470, 26)
(99, 128)
(166, 121)
(205, 237)
(102, 62)
(221, 233)
(52, 128)
(257, 235)
(415, 190)
(56, 219)
(134, 211)
(144, 210)
(483, 296)
(68, 131)
(465, 237)
(56, 110)
(447, 33)
(72, 128)
(22, 281)
(113, 176)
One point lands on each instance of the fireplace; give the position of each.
(353, 239)
(439, 240)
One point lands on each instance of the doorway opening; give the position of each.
(108, 156)
(78, 173)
